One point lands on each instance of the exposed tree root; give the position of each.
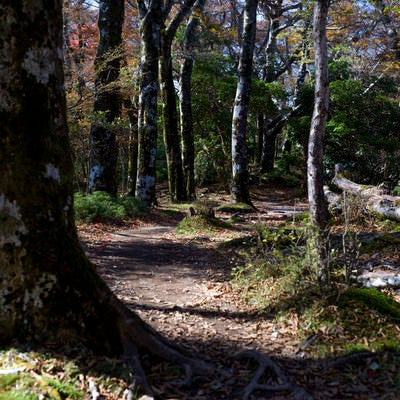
(266, 363)
(349, 358)
(138, 335)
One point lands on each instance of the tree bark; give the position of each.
(185, 100)
(150, 25)
(133, 145)
(377, 201)
(169, 108)
(49, 292)
(107, 101)
(318, 207)
(240, 171)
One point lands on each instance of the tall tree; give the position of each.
(318, 208)
(150, 26)
(107, 101)
(240, 172)
(49, 292)
(278, 60)
(80, 46)
(185, 99)
(168, 94)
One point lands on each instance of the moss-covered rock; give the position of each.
(372, 298)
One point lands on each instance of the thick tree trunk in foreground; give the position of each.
(318, 208)
(49, 292)
(240, 170)
(107, 101)
(377, 201)
(48, 289)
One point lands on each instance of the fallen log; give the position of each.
(377, 201)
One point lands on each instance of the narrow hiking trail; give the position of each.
(180, 286)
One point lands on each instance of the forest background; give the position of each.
(363, 122)
(115, 113)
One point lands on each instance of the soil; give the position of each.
(180, 286)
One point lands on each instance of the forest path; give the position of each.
(180, 286)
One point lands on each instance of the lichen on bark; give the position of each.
(12, 225)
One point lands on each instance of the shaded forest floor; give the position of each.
(180, 284)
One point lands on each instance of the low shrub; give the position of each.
(101, 206)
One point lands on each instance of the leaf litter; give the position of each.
(180, 285)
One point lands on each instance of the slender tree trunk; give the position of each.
(271, 72)
(316, 198)
(268, 149)
(171, 132)
(150, 26)
(240, 171)
(186, 125)
(170, 123)
(103, 147)
(270, 129)
(133, 147)
(185, 100)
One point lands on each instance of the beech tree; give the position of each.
(277, 61)
(107, 101)
(169, 100)
(316, 198)
(49, 292)
(240, 172)
(150, 26)
(185, 99)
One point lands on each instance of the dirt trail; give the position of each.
(175, 285)
(180, 287)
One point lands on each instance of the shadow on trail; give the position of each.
(204, 312)
(143, 255)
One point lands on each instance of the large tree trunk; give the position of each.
(318, 208)
(185, 100)
(150, 25)
(107, 101)
(49, 292)
(377, 201)
(240, 171)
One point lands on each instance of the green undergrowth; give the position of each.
(359, 319)
(275, 267)
(201, 225)
(35, 375)
(276, 273)
(373, 299)
(102, 207)
(236, 208)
